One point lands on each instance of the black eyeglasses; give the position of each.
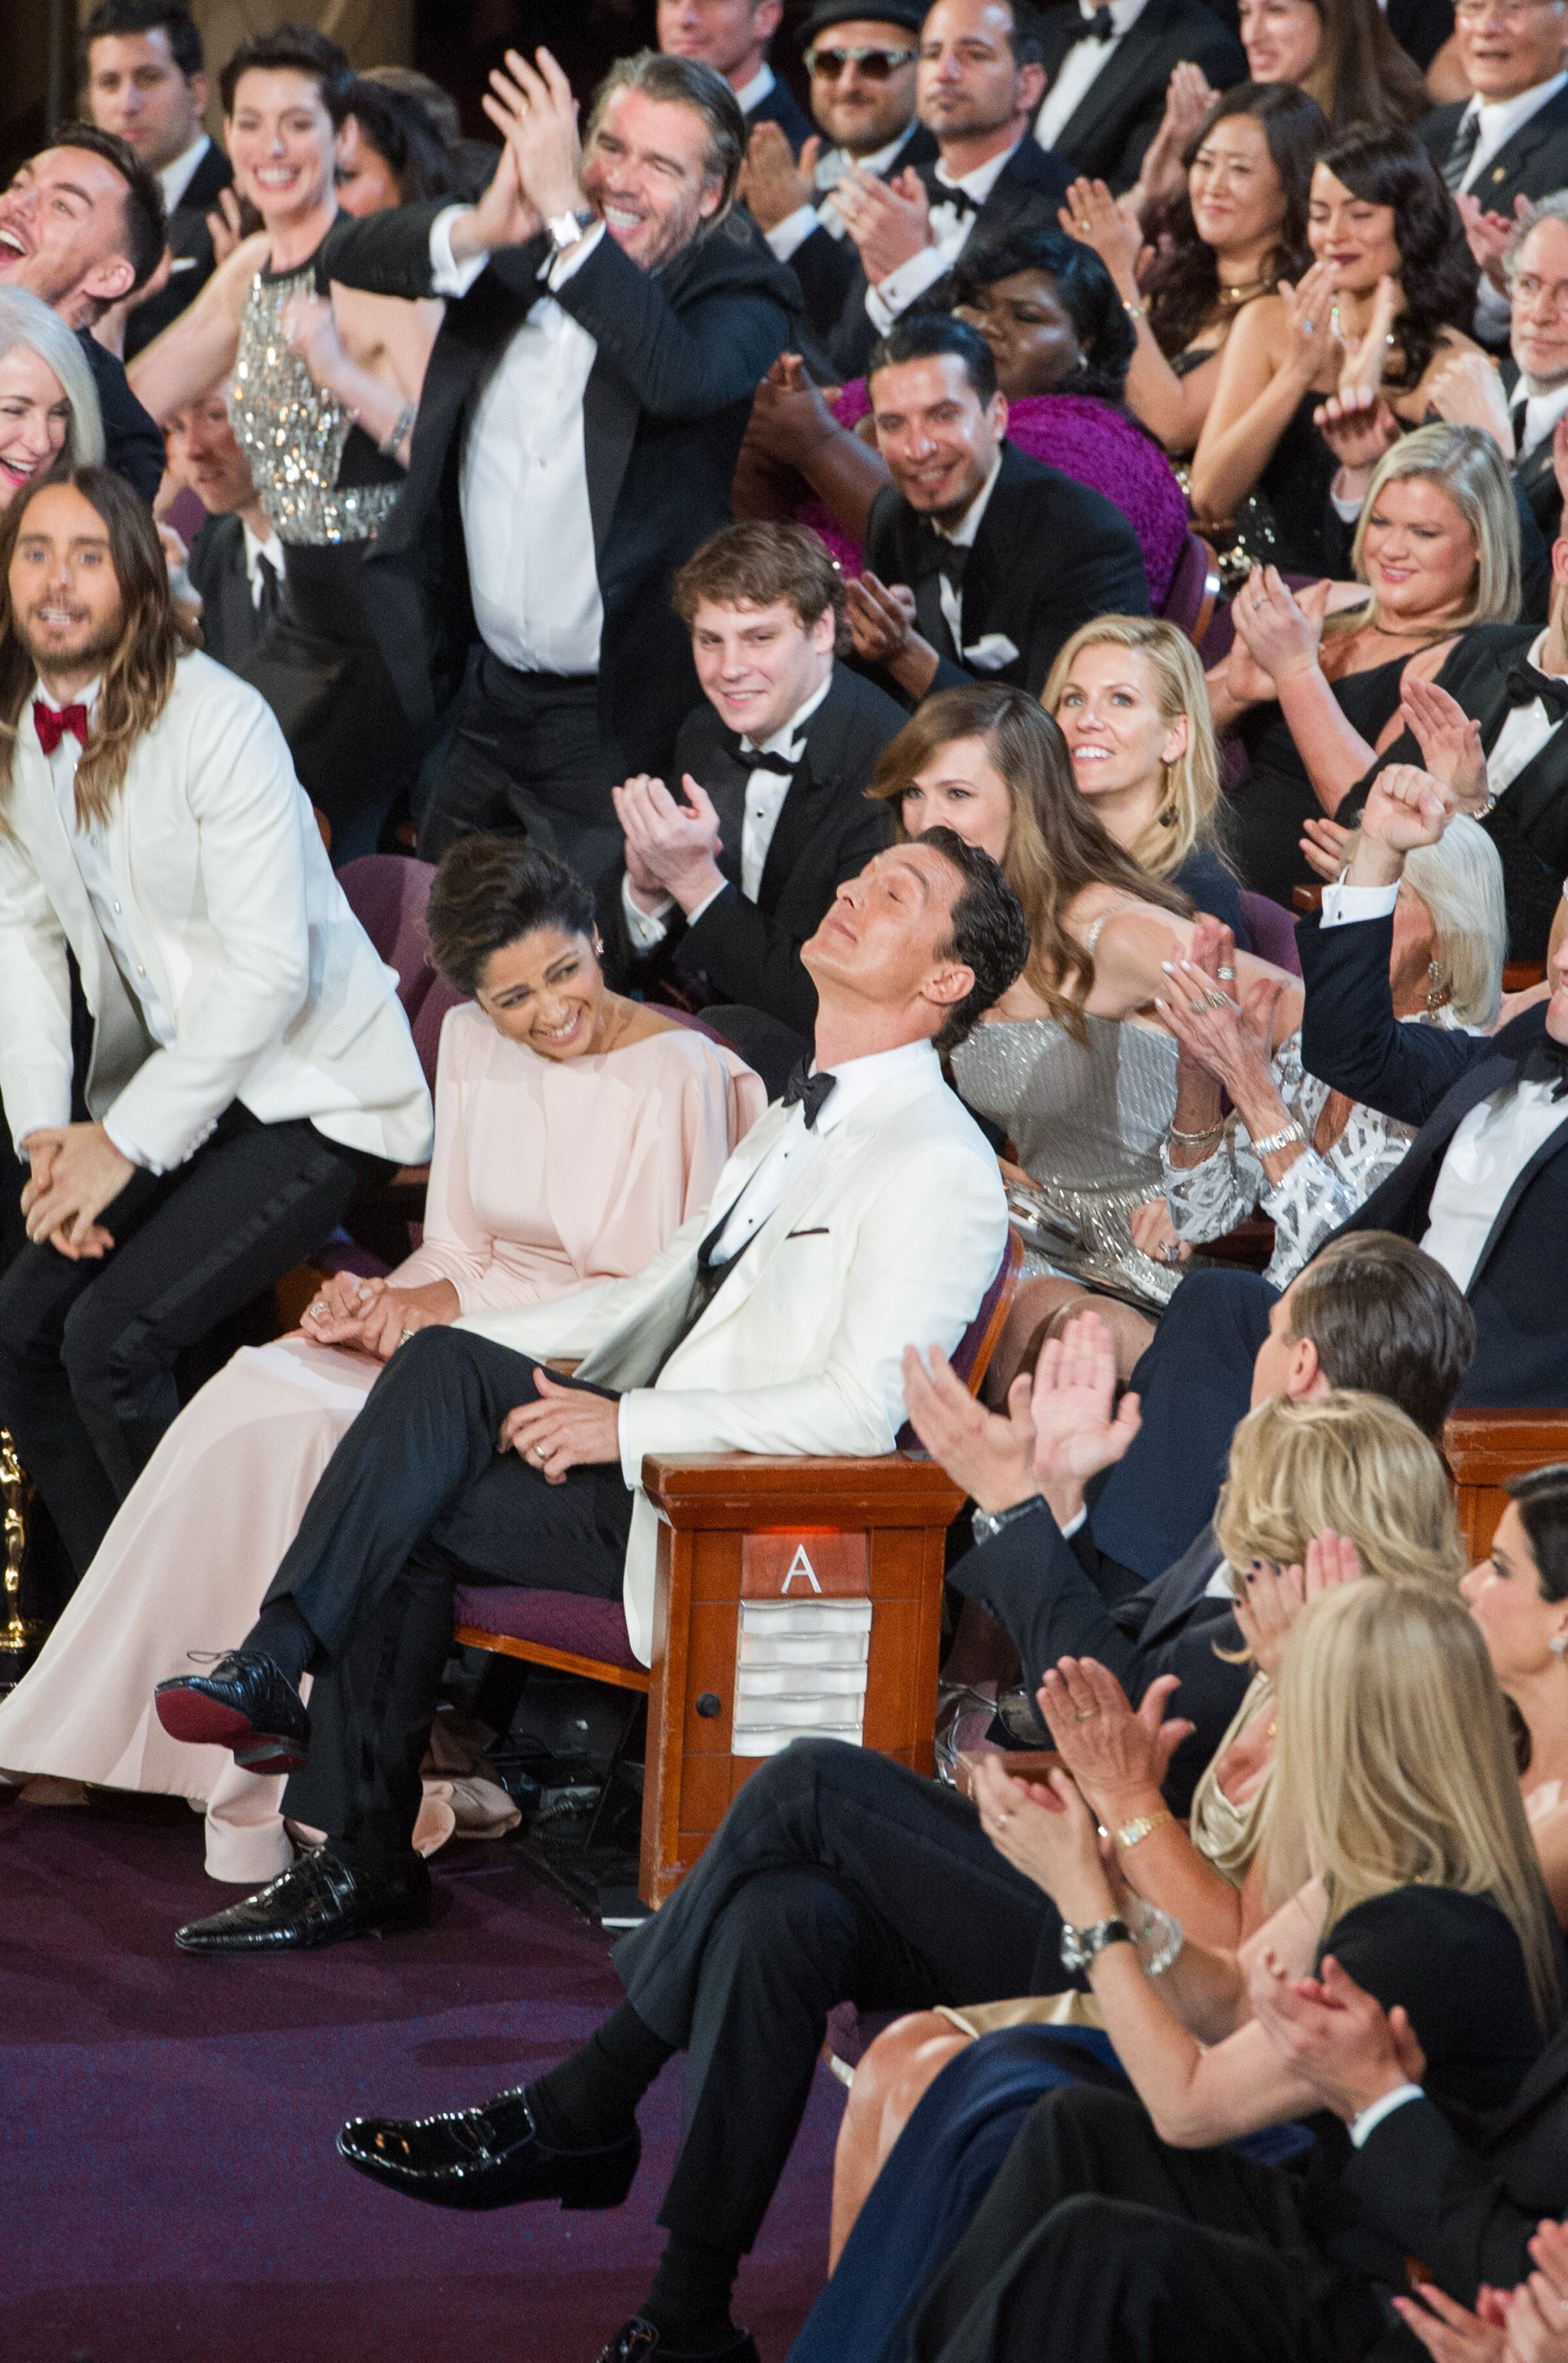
(876, 65)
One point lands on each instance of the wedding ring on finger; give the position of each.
(1226, 975)
(1084, 1713)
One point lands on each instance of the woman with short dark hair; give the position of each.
(575, 1132)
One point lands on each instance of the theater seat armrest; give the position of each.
(745, 1490)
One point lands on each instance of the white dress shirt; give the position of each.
(1500, 118)
(1525, 732)
(98, 879)
(752, 94)
(1081, 69)
(765, 794)
(962, 537)
(950, 227)
(259, 554)
(1541, 413)
(176, 178)
(785, 237)
(526, 520)
(1492, 1144)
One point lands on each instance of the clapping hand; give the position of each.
(674, 846)
(1119, 1758)
(533, 108)
(1273, 1597)
(310, 327)
(1450, 741)
(1525, 2324)
(1335, 2036)
(1188, 97)
(225, 225)
(1282, 632)
(1232, 1040)
(772, 185)
(992, 1457)
(1468, 391)
(789, 416)
(1323, 844)
(889, 220)
(1093, 216)
(881, 620)
(1488, 234)
(1308, 306)
(1362, 358)
(1079, 1427)
(1359, 429)
(1048, 1832)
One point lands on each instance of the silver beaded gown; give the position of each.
(1087, 1120)
(326, 672)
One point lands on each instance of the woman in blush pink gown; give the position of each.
(575, 1132)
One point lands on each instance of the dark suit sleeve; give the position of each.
(1414, 2180)
(685, 364)
(132, 444)
(1351, 1039)
(750, 958)
(386, 254)
(827, 269)
(1093, 566)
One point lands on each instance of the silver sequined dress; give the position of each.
(1088, 1120)
(292, 434)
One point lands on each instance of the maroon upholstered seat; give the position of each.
(387, 894)
(550, 1620)
(1272, 930)
(1194, 590)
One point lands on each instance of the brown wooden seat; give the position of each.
(776, 1577)
(1484, 1450)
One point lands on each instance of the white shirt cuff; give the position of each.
(631, 1468)
(900, 287)
(448, 277)
(786, 238)
(1071, 1528)
(1367, 2120)
(646, 928)
(706, 904)
(1343, 905)
(567, 266)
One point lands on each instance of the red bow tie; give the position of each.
(52, 726)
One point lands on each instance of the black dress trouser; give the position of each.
(528, 753)
(416, 1499)
(1098, 2244)
(88, 1350)
(836, 1876)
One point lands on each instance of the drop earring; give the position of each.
(1558, 1645)
(1438, 993)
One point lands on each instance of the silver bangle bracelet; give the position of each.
(402, 426)
(1197, 1140)
(1280, 1139)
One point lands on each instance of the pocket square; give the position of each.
(991, 652)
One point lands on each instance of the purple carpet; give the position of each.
(169, 2190)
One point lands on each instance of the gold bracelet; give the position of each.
(1132, 1833)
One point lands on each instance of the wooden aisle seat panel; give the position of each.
(1484, 1449)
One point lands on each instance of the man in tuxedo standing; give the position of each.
(980, 562)
(146, 81)
(237, 562)
(1107, 69)
(82, 226)
(608, 319)
(1484, 1185)
(733, 36)
(862, 64)
(728, 884)
(978, 83)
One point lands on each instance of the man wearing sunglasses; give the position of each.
(862, 64)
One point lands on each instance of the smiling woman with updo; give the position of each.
(575, 1132)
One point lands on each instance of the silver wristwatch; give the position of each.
(1082, 1946)
(986, 1525)
(565, 229)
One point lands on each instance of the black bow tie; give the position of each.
(957, 200)
(754, 759)
(1099, 28)
(1546, 1061)
(1524, 686)
(934, 554)
(811, 1091)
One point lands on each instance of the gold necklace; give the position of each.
(1231, 297)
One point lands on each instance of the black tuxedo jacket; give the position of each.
(1535, 475)
(1531, 164)
(828, 268)
(1049, 555)
(1529, 827)
(781, 106)
(232, 627)
(1121, 110)
(1029, 191)
(1432, 1078)
(1047, 1593)
(826, 831)
(680, 352)
(190, 244)
(133, 446)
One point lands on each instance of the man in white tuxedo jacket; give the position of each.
(864, 1210)
(251, 1063)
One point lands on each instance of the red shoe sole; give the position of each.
(203, 1722)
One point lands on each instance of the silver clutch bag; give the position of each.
(1087, 1239)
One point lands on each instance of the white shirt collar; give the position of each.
(963, 534)
(753, 93)
(782, 740)
(858, 1078)
(1541, 412)
(88, 697)
(176, 178)
(261, 553)
(979, 183)
(1501, 117)
(1125, 14)
(834, 162)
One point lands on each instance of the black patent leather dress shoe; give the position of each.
(638, 2342)
(319, 1900)
(487, 2158)
(245, 1702)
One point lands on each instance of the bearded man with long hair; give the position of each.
(250, 1065)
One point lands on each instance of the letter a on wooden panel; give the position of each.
(801, 1565)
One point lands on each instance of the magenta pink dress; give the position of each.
(545, 1179)
(1090, 440)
